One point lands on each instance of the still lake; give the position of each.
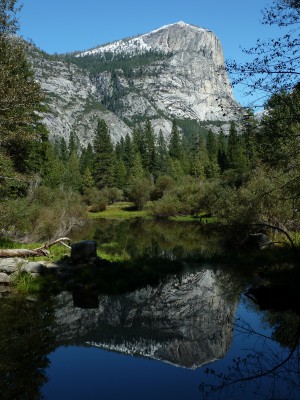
(194, 335)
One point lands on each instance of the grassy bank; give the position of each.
(124, 210)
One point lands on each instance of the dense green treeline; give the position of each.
(131, 65)
(247, 176)
(33, 206)
(144, 160)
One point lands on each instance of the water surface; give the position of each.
(195, 335)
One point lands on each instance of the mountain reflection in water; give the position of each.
(193, 336)
(185, 321)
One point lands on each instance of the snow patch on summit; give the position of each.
(134, 45)
(131, 46)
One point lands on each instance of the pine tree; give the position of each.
(63, 149)
(222, 152)
(86, 158)
(23, 137)
(175, 146)
(236, 150)
(211, 167)
(120, 173)
(73, 146)
(87, 180)
(250, 135)
(103, 157)
(176, 170)
(128, 152)
(136, 171)
(211, 145)
(233, 145)
(119, 149)
(53, 169)
(150, 156)
(198, 157)
(138, 141)
(20, 96)
(72, 174)
(162, 155)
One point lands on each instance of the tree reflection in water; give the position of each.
(270, 368)
(164, 239)
(25, 342)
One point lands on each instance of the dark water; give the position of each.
(195, 335)
(140, 238)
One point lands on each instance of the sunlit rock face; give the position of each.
(184, 321)
(71, 100)
(190, 83)
(186, 80)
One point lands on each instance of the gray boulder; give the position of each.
(10, 265)
(4, 278)
(4, 289)
(34, 267)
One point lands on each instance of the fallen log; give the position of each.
(60, 240)
(38, 252)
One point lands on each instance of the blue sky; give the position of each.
(69, 25)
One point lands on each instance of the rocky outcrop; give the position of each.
(11, 267)
(185, 321)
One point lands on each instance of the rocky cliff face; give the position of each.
(72, 102)
(179, 73)
(185, 321)
(189, 82)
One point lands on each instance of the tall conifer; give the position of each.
(22, 135)
(175, 146)
(103, 157)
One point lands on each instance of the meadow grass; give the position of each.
(113, 253)
(25, 283)
(124, 210)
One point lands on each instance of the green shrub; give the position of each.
(184, 199)
(99, 205)
(139, 192)
(43, 215)
(91, 196)
(112, 194)
(163, 184)
(168, 206)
